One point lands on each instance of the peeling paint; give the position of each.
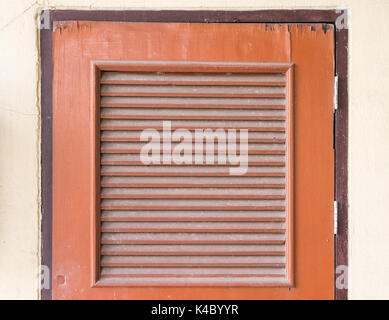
(63, 26)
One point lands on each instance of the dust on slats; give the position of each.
(193, 250)
(191, 238)
(190, 215)
(192, 223)
(187, 78)
(192, 91)
(206, 272)
(190, 261)
(195, 103)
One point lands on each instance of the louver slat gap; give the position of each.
(195, 223)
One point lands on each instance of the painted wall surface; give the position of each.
(20, 138)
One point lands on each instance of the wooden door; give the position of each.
(123, 229)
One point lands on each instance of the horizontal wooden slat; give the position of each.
(192, 253)
(192, 238)
(208, 145)
(197, 225)
(193, 202)
(190, 196)
(183, 230)
(196, 83)
(190, 272)
(250, 164)
(195, 191)
(194, 103)
(173, 94)
(139, 241)
(194, 261)
(210, 114)
(202, 227)
(227, 208)
(194, 151)
(191, 91)
(144, 215)
(192, 185)
(169, 78)
(181, 169)
(137, 139)
(232, 180)
(183, 264)
(157, 250)
(191, 174)
(172, 117)
(192, 106)
(152, 218)
(141, 128)
(266, 135)
(251, 250)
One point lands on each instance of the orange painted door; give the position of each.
(275, 245)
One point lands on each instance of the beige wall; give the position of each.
(368, 140)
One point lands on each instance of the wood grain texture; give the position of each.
(252, 16)
(281, 45)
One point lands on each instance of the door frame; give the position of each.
(47, 17)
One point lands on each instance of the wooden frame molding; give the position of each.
(262, 16)
(98, 67)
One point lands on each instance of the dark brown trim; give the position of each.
(46, 151)
(341, 155)
(261, 16)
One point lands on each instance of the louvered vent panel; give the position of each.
(194, 223)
